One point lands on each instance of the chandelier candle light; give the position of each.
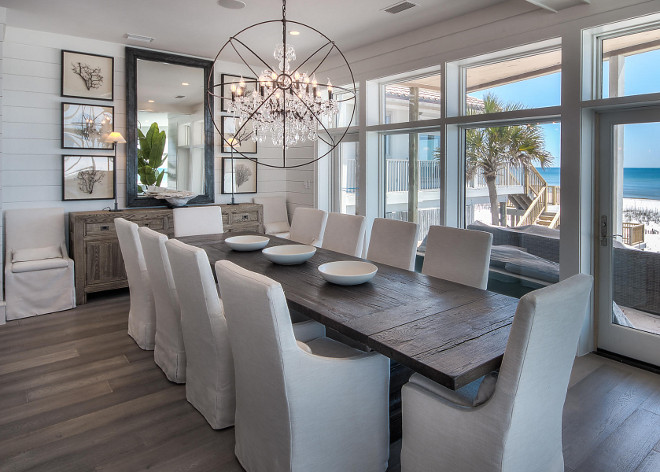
(283, 104)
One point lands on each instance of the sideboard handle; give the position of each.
(105, 228)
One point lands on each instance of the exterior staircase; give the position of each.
(539, 203)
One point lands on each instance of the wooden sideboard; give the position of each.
(94, 247)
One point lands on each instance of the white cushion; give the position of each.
(44, 264)
(36, 254)
(277, 227)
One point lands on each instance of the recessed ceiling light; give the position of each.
(294, 33)
(150, 101)
(232, 4)
(185, 83)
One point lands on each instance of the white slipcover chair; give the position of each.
(344, 233)
(142, 314)
(320, 406)
(39, 276)
(519, 427)
(209, 364)
(195, 221)
(307, 226)
(276, 220)
(459, 255)
(393, 242)
(169, 353)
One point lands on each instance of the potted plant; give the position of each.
(150, 156)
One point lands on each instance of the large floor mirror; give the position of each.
(167, 107)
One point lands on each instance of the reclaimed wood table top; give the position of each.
(448, 332)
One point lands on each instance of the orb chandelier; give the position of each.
(283, 103)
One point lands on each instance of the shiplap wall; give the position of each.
(31, 118)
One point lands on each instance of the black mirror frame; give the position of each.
(132, 55)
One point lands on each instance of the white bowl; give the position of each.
(348, 272)
(289, 254)
(247, 243)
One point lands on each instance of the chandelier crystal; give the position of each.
(283, 105)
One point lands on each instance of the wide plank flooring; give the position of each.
(77, 394)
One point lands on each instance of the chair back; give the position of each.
(393, 242)
(33, 228)
(209, 369)
(261, 334)
(169, 352)
(194, 221)
(142, 315)
(307, 225)
(459, 255)
(533, 380)
(276, 219)
(344, 233)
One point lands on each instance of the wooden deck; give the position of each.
(77, 394)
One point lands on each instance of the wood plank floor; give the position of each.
(77, 394)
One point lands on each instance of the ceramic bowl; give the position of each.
(289, 254)
(247, 243)
(348, 272)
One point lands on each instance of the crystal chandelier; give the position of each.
(283, 104)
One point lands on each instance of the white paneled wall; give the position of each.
(3, 17)
(31, 118)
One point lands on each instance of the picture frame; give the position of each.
(88, 177)
(87, 75)
(245, 144)
(86, 126)
(226, 81)
(241, 172)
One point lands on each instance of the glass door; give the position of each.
(344, 176)
(628, 287)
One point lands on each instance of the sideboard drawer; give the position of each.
(244, 217)
(108, 228)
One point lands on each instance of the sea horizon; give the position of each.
(638, 182)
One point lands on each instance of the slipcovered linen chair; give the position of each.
(169, 352)
(39, 275)
(318, 406)
(459, 255)
(142, 314)
(276, 220)
(195, 221)
(393, 242)
(209, 364)
(515, 422)
(344, 233)
(307, 226)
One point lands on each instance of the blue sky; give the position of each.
(642, 75)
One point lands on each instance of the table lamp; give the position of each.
(115, 138)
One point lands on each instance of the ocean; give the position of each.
(637, 182)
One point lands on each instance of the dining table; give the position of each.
(451, 333)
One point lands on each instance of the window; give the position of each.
(531, 81)
(345, 161)
(411, 99)
(413, 197)
(630, 63)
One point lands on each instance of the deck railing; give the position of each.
(397, 175)
(426, 217)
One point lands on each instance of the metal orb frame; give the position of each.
(284, 81)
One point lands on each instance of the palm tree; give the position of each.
(490, 149)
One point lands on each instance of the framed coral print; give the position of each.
(87, 75)
(86, 126)
(241, 173)
(88, 177)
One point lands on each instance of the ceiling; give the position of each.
(201, 27)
